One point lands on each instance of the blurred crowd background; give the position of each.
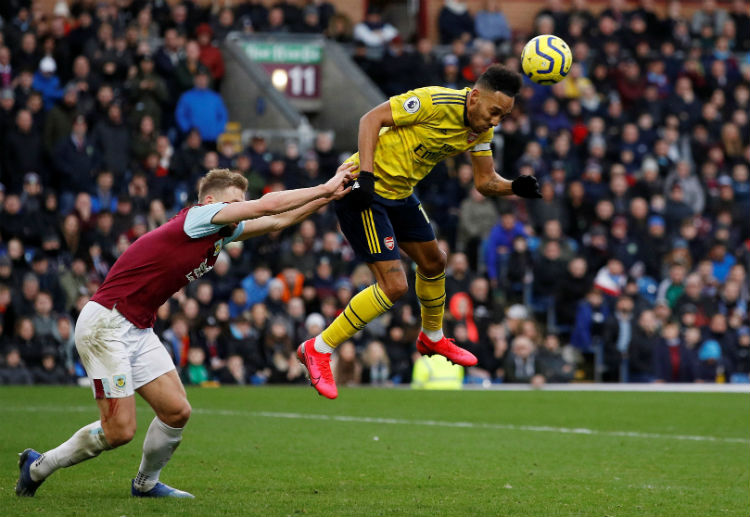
(632, 268)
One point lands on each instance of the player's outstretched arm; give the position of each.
(274, 223)
(369, 128)
(490, 183)
(278, 202)
(370, 125)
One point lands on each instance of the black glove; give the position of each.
(363, 190)
(526, 186)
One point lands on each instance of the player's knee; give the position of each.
(435, 266)
(395, 288)
(119, 435)
(179, 415)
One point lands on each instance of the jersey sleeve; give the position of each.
(412, 107)
(483, 147)
(198, 220)
(237, 232)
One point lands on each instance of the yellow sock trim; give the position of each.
(362, 309)
(431, 294)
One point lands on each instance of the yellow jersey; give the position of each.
(431, 125)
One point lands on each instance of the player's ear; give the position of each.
(474, 95)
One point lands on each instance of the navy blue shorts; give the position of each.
(374, 233)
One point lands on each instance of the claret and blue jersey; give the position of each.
(163, 261)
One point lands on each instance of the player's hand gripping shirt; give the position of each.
(431, 125)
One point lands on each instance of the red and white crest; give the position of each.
(389, 243)
(471, 137)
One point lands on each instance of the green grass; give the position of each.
(239, 462)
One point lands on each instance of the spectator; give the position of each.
(522, 364)
(618, 336)
(455, 22)
(348, 369)
(44, 320)
(111, 139)
(76, 160)
(59, 120)
(168, 56)
(195, 373)
(148, 91)
(234, 373)
(490, 23)
(741, 357)
(374, 32)
(202, 108)
(499, 243)
(553, 366)
(711, 363)
(709, 15)
(210, 55)
(22, 151)
(144, 141)
(477, 215)
(673, 361)
(14, 371)
(46, 82)
(189, 66)
(642, 348)
(49, 372)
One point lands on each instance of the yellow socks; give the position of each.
(431, 294)
(362, 309)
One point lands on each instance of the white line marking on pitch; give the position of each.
(429, 423)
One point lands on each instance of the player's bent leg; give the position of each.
(118, 421)
(367, 305)
(430, 287)
(116, 427)
(166, 395)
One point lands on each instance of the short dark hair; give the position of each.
(500, 79)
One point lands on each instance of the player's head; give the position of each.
(492, 97)
(221, 186)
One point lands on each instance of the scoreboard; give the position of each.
(294, 68)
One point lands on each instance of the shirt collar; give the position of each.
(466, 104)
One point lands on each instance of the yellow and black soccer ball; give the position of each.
(546, 59)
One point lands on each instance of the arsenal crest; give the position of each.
(471, 137)
(389, 243)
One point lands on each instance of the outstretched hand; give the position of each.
(336, 186)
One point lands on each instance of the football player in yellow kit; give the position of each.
(400, 141)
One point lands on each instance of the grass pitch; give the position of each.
(287, 451)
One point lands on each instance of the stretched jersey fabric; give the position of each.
(163, 261)
(431, 125)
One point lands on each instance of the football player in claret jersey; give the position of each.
(114, 335)
(400, 141)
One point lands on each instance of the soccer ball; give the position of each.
(546, 59)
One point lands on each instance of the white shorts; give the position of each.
(118, 356)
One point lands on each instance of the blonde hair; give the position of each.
(219, 179)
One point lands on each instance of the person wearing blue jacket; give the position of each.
(47, 83)
(202, 108)
(500, 243)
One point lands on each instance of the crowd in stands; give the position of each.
(632, 268)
